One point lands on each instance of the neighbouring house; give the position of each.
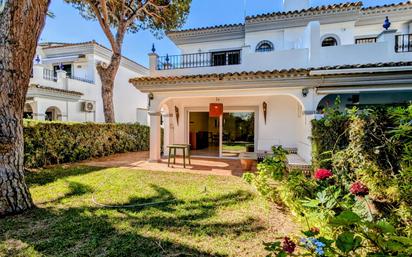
(274, 73)
(65, 85)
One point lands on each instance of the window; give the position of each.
(226, 58)
(265, 46)
(66, 67)
(329, 41)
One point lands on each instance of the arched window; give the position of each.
(265, 46)
(330, 41)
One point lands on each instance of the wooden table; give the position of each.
(174, 148)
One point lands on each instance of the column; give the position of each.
(155, 137)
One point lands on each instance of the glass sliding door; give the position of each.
(238, 133)
(204, 134)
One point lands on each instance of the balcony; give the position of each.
(198, 60)
(403, 43)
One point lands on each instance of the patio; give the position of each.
(206, 166)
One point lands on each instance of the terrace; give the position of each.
(389, 46)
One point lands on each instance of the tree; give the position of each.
(116, 18)
(21, 22)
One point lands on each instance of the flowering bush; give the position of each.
(323, 174)
(359, 189)
(288, 245)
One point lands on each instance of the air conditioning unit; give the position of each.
(89, 106)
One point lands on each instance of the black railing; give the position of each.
(49, 75)
(403, 43)
(197, 60)
(71, 76)
(366, 40)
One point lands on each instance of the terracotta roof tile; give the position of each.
(51, 45)
(273, 73)
(407, 3)
(56, 90)
(236, 25)
(340, 6)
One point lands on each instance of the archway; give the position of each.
(53, 113)
(28, 111)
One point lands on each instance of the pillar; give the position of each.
(155, 137)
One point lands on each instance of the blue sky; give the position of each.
(69, 26)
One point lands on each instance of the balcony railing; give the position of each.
(403, 43)
(49, 75)
(197, 60)
(366, 40)
(71, 76)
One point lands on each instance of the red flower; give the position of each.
(359, 189)
(322, 174)
(315, 230)
(288, 245)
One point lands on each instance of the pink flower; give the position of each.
(359, 189)
(322, 174)
(288, 245)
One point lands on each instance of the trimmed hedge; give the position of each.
(48, 143)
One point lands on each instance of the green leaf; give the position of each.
(385, 227)
(347, 242)
(282, 254)
(394, 246)
(404, 240)
(345, 218)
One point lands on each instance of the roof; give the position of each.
(57, 90)
(402, 4)
(264, 74)
(235, 25)
(53, 45)
(333, 7)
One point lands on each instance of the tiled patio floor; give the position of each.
(207, 166)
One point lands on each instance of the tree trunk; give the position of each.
(107, 77)
(21, 22)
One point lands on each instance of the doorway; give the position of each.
(226, 136)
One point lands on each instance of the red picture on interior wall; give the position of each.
(215, 110)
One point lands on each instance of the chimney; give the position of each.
(295, 5)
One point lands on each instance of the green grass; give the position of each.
(234, 148)
(209, 215)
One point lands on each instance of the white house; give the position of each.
(274, 73)
(65, 85)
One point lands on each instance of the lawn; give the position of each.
(200, 216)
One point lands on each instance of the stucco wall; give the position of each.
(284, 117)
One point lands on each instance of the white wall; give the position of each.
(127, 99)
(284, 117)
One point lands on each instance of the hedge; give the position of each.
(48, 143)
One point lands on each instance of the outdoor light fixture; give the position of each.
(305, 92)
(177, 115)
(150, 98)
(265, 110)
(215, 110)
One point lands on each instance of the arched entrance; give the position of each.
(53, 113)
(28, 111)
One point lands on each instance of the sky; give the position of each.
(68, 26)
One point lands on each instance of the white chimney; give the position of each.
(295, 5)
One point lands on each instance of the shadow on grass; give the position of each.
(47, 176)
(92, 231)
(76, 189)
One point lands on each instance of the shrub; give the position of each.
(48, 143)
